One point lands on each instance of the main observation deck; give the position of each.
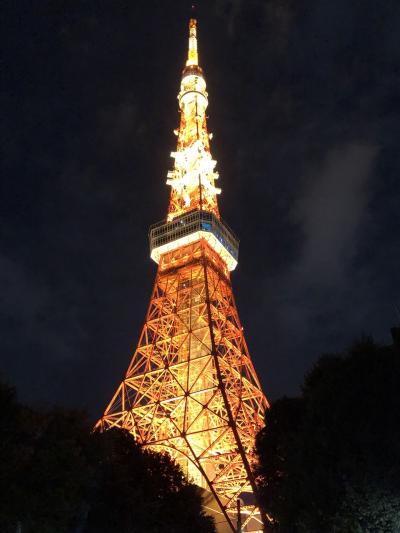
(190, 227)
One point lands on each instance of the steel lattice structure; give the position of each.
(191, 388)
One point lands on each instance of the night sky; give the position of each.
(305, 111)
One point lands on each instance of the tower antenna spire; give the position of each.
(193, 58)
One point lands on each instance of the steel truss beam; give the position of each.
(191, 388)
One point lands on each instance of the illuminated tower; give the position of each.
(191, 388)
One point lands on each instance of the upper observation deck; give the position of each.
(190, 227)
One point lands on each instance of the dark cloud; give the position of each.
(331, 210)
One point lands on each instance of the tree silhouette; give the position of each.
(56, 476)
(330, 459)
(140, 490)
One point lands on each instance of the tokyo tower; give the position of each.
(191, 388)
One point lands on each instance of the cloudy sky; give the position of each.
(305, 111)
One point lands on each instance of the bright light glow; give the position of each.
(192, 179)
(192, 53)
(194, 168)
(228, 259)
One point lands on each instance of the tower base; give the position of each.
(250, 524)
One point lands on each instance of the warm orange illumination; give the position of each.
(191, 388)
(193, 177)
(192, 52)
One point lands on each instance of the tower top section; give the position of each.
(193, 58)
(193, 212)
(192, 66)
(192, 179)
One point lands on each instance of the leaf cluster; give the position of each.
(57, 476)
(329, 460)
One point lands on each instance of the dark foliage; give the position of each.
(56, 476)
(330, 460)
(139, 490)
